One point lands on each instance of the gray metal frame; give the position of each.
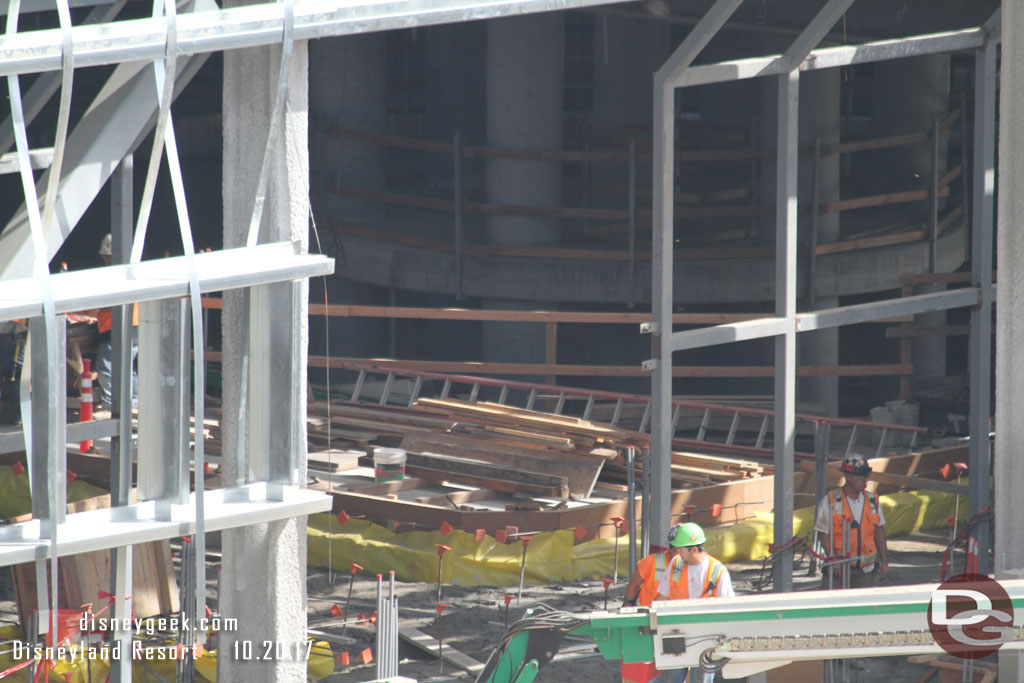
(677, 73)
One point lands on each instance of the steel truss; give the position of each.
(677, 72)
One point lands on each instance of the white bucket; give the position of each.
(388, 464)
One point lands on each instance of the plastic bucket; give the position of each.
(388, 464)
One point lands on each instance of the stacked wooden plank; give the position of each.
(500, 448)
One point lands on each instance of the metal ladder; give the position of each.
(560, 395)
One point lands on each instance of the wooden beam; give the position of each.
(456, 498)
(878, 200)
(479, 473)
(479, 368)
(580, 471)
(870, 242)
(387, 487)
(550, 349)
(909, 482)
(933, 331)
(431, 646)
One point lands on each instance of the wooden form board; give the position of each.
(430, 645)
(498, 477)
(581, 472)
(154, 589)
(922, 466)
(748, 495)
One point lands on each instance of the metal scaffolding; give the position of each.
(786, 323)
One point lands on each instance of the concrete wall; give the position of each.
(264, 560)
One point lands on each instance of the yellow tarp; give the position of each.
(16, 497)
(319, 666)
(552, 556)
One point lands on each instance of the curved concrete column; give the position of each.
(910, 95)
(348, 86)
(265, 560)
(627, 52)
(1008, 467)
(348, 89)
(819, 119)
(524, 109)
(525, 66)
(455, 101)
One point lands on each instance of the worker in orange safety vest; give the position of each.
(850, 523)
(685, 571)
(104, 350)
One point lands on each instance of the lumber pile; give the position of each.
(500, 448)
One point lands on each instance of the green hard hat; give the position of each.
(687, 534)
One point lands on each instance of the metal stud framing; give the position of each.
(783, 326)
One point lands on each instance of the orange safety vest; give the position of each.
(680, 584)
(104, 321)
(862, 536)
(650, 568)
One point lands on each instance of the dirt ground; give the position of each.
(474, 622)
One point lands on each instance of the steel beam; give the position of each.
(663, 261)
(121, 214)
(14, 442)
(889, 308)
(809, 38)
(275, 419)
(826, 318)
(164, 362)
(140, 523)
(980, 346)
(114, 125)
(48, 458)
(695, 41)
(162, 279)
(785, 309)
(831, 57)
(727, 333)
(39, 159)
(251, 26)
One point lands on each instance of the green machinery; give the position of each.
(745, 635)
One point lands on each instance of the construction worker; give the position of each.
(104, 349)
(850, 523)
(684, 571)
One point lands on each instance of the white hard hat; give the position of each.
(105, 245)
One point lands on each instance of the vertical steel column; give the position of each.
(822, 439)
(933, 192)
(457, 188)
(631, 300)
(164, 362)
(665, 80)
(276, 404)
(631, 506)
(787, 157)
(122, 221)
(48, 459)
(49, 424)
(812, 247)
(980, 358)
(659, 463)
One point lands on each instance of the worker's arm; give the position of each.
(827, 550)
(632, 589)
(883, 552)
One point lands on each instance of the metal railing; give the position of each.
(557, 397)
